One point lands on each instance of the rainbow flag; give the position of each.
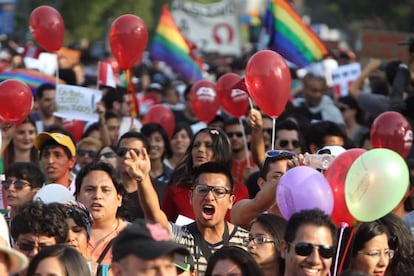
(169, 45)
(290, 36)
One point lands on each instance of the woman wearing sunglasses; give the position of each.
(263, 244)
(23, 180)
(370, 251)
(107, 154)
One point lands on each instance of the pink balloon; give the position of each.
(303, 188)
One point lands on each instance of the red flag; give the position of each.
(106, 76)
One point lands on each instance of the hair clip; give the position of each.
(214, 131)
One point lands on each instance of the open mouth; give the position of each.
(209, 209)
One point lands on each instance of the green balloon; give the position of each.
(375, 184)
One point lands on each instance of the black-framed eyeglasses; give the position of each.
(237, 134)
(283, 143)
(109, 154)
(121, 152)
(218, 191)
(280, 154)
(83, 153)
(258, 240)
(17, 183)
(304, 249)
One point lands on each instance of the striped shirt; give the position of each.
(181, 235)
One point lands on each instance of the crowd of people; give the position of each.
(199, 202)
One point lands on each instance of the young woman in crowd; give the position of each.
(158, 139)
(98, 189)
(232, 260)
(263, 244)
(179, 144)
(58, 260)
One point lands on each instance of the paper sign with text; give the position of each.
(343, 76)
(76, 102)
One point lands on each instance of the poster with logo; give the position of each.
(213, 28)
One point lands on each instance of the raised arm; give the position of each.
(245, 210)
(138, 168)
(257, 144)
(355, 87)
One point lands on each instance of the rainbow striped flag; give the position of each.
(169, 45)
(290, 36)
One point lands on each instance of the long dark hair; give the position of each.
(237, 255)
(184, 172)
(9, 157)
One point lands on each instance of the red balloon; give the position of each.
(204, 101)
(47, 28)
(233, 99)
(161, 115)
(128, 37)
(336, 175)
(391, 130)
(268, 81)
(75, 127)
(16, 101)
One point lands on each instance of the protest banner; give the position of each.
(343, 76)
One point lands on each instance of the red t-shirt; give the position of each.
(177, 200)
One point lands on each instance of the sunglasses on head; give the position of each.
(18, 184)
(237, 134)
(121, 152)
(83, 153)
(304, 249)
(280, 154)
(294, 143)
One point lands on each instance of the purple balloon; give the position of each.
(303, 188)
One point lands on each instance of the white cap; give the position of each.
(54, 193)
(332, 150)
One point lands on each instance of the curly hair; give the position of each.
(39, 218)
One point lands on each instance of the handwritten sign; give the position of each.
(76, 102)
(343, 76)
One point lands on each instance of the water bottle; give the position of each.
(318, 161)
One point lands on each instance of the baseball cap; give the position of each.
(59, 138)
(17, 261)
(145, 240)
(155, 87)
(54, 193)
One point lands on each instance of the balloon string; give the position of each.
(343, 226)
(245, 143)
(251, 103)
(273, 133)
(134, 109)
(346, 248)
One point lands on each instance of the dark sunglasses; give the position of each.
(18, 184)
(108, 154)
(284, 143)
(83, 153)
(280, 154)
(121, 152)
(304, 249)
(30, 246)
(237, 134)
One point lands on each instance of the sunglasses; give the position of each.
(108, 154)
(280, 154)
(30, 246)
(237, 134)
(218, 191)
(121, 152)
(18, 184)
(294, 143)
(83, 153)
(304, 249)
